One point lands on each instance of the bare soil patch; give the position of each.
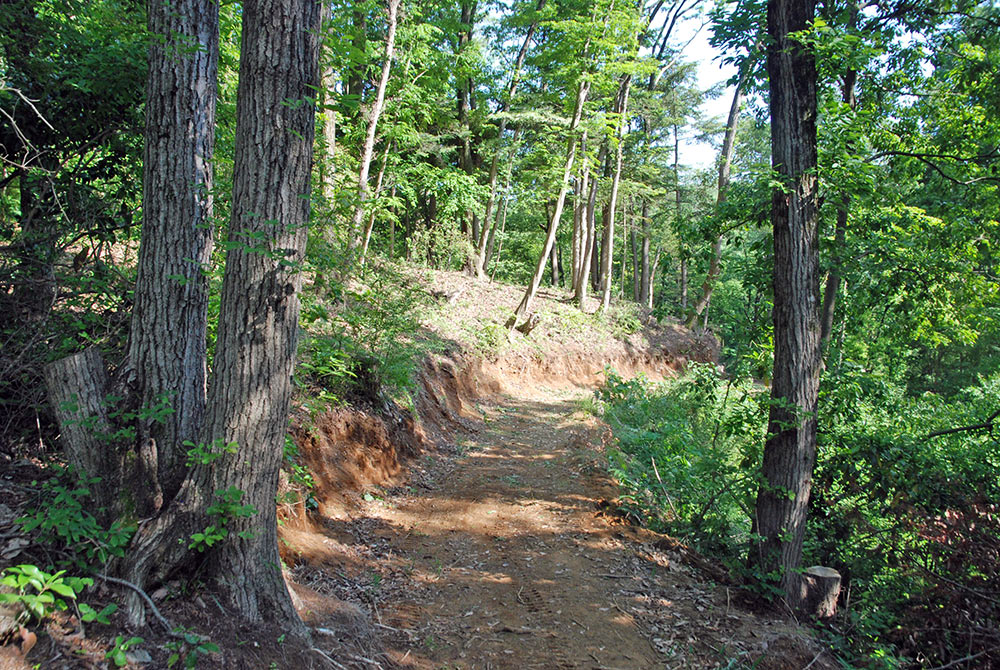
(504, 550)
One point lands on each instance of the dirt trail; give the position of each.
(508, 566)
(496, 554)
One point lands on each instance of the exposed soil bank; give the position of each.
(348, 449)
(481, 535)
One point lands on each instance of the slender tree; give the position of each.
(834, 278)
(583, 87)
(486, 233)
(621, 110)
(368, 148)
(725, 165)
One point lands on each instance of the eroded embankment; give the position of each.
(347, 450)
(499, 546)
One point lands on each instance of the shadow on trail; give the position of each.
(496, 557)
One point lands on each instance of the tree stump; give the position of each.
(77, 386)
(529, 325)
(820, 588)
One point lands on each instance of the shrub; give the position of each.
(686, 454)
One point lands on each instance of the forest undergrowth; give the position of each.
(904, 501)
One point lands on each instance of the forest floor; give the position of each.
(482, 536)
(506, 552)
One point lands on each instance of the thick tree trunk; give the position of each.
(621, 108)
(529, 295)
(368, 148)
(170, 314)
(250, 391)
(482, 257)
(78, 386)
(790, 451)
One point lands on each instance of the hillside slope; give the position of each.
(485, 534)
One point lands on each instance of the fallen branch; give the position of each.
(329, 660)
(964, 659)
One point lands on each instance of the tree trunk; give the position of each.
(482, 257)
(328, 116)
(597, 281)
(653, 268)
(577, 228)
(644, 281)
(790, 451)
(554, 262)
(250, 392)
(501, 218)
(634, 256)
(725, 162)
(464, 95)
(624, 258)
(35, 290)
(502, 215)
(529, 295)
(378, 192)
(684, 285)
(78, 386)
(368, 149)
(590, 222)
(621, 108)
(840, 232)
(170, 315)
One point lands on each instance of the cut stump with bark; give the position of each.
(78, 387)
(820, 589)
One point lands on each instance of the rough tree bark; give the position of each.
(170, 314)
(78, 386)
(255, 350)
(790, 450)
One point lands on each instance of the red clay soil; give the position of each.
(500, 548)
